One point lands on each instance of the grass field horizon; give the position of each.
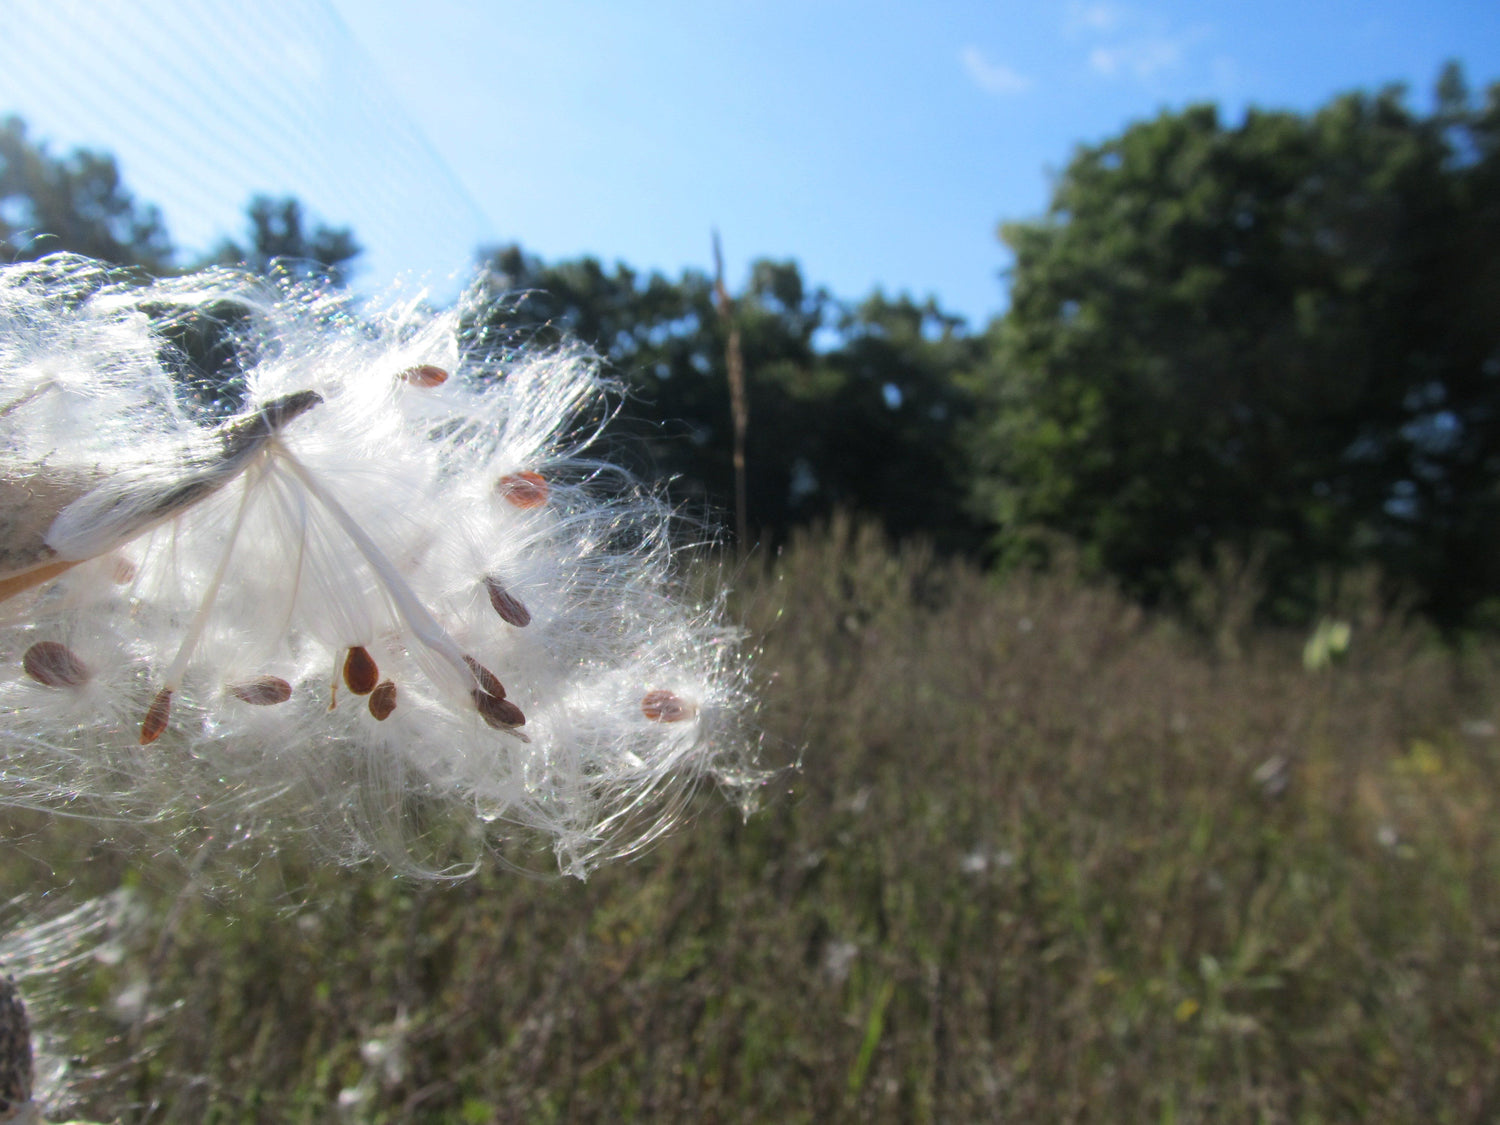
(1031, 854)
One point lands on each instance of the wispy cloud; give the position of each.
(1139, 58)
(1099, 16)
(992, 77)
(1124, 42)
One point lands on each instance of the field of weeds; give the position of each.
(1045, 858)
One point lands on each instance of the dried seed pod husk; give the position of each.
(15, 1053)
(29, 503)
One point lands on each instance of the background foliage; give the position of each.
(1275, 341)
(1280, 337)
(1047, 858)
(1091, 843)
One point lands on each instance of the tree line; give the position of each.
(1275, 340)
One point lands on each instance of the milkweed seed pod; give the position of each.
(15, 1053)
(392, 575)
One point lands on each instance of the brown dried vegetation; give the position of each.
(1046, 858)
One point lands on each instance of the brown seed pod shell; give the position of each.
(16, 1061)
(361, 674)
(383, 700)
(54, 664)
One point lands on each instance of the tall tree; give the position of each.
(280, 235)
(849, 406)
(1280, 336)
(892, 429)
(75, 202)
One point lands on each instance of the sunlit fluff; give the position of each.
(393, 580)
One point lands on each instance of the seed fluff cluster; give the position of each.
(391, 580)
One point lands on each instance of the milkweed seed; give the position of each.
(383, 700)
(360, 672)
(156, 717)
(263, 691)
(499, 713)
(53, 664)
(121, 570)
(425, 375)
(488, 681)
(506, 604)
(663, 706)
(524, 490)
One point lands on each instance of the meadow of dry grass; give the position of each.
(1046, 858)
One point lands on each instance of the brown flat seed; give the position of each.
(53, 664)
(263, 691)
(488, 681)
(524, 490)
(663, 706)
(499, 713)
(156, 717)
(360, 673)
(383, 700)
(425, 375)
(506, 604)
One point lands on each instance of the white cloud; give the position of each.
(1125, 42)
(1099, 17)
(1140, 58)
(992, 77)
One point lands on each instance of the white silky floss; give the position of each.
(393, 577)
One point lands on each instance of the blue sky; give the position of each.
(879, 144)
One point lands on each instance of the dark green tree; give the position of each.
(76, 203)
(656, 334)
(851, 407)
(666, 340)
(208, 341)
(889, 403)
(1280, 336)
(281, 236)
